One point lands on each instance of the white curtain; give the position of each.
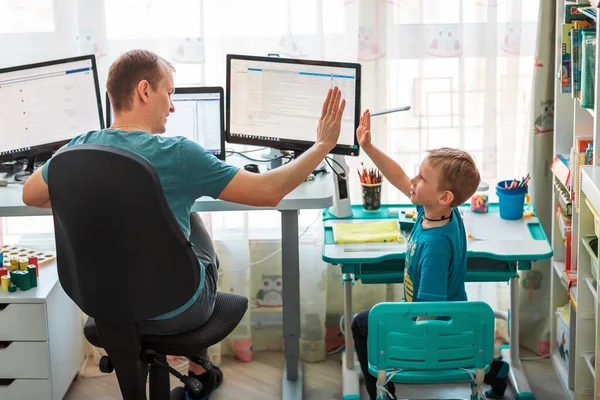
(464, 66)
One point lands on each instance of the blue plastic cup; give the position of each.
(510, 201)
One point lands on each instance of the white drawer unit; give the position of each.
(26, 389)
(41, 340)
(22, 321)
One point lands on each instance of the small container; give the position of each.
(480, 199)
(511, 201)
(371, 196)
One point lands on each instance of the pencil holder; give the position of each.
(371, 196)
(510, 201)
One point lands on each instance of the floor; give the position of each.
(261, 379)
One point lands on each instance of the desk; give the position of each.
(316, 194)
(488, 261)
(42, 328)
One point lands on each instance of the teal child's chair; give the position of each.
(457, 346)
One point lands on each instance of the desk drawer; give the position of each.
(19, 360)
(25, 389)
(22, 322)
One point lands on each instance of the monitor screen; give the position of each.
(277, 102)
(198, 116)
(43, 106)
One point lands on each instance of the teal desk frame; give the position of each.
(488, 261)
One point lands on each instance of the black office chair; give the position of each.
(123, 258)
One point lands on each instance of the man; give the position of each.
(139, 85)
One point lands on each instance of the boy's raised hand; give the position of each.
(363, 132)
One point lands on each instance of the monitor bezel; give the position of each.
(292, 145)
(193, 90)
(49, 148)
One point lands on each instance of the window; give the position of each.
(26, 16)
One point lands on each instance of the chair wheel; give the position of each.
(177, 394)
(106, 365)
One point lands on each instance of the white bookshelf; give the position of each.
(570, 121)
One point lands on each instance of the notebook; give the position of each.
(370, 232)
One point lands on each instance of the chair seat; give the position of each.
(228, 312)
(431, 376)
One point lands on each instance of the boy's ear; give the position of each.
(447, 198)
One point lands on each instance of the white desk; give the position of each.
(316, 194)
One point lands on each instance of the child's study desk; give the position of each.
(505, 248)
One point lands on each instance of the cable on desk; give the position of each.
(245, 151)
(333, 169)
(255, 159)
(272, 254)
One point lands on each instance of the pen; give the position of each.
(389, 111)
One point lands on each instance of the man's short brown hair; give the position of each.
(128, 70)
(458, 172)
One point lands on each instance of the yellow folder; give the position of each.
(369, 232)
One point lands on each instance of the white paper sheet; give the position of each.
(491, 227)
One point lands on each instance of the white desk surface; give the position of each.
(316, 194)
(527, 249)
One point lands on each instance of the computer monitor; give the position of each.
(198, 116)
(276, 102)
(44, 105)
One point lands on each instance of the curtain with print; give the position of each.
(464, 66)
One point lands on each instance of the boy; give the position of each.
(436, 255)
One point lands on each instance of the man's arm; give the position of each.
(390, 169)
(35, 191)
(267, 189)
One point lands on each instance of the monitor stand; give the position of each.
(276, 157)
(26, 173)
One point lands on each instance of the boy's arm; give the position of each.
(388, 167)
(392, 171)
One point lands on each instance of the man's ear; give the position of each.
(143, 90)
(447, 198)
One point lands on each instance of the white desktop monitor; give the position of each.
(198, 116)
(277, 102)
(44, 105)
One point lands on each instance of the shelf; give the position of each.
(588, 247)
(591, 111)
(563, 375)
(591, 283)
(588, 360)
(559, 268)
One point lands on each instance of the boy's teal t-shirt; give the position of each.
(436, 261)
(185, 169)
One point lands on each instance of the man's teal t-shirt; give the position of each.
(185, 169)
(436, 261)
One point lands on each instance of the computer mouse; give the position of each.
(252, 168)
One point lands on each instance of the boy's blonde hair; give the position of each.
(458, 172)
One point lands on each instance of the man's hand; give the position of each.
(330, 122)
(363, 132)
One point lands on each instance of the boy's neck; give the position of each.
(436, 215)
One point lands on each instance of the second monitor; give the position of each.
(276, 102)
(198, 116)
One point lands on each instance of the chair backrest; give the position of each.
(121, 255)
(465, 339)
